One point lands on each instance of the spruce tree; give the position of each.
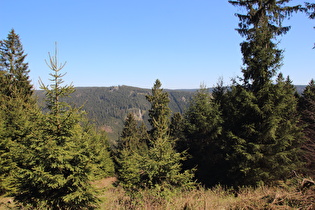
(160, 112)
(177, 131)
(260, 26)
(307, 111)
(261, 136)
(6, 162)
(19, 110)
(14, 77)
(130, 136)
(96, 144)
(131, 153)
(156, 165)
(57, 172)
(163, 168)
(202, 128)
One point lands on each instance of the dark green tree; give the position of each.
(17, 104)
(260, 26)
(143, 136)
(203, 126)
(261, 136)
(130, 135)
(131, 154)
(158, 166)
(307, 110)
(177, 131)
(57, 172)
(14, 70)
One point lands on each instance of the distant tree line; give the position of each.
(257, 131)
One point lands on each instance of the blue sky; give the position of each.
(184, 43)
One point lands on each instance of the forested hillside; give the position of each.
(108, 107)
(257, 132)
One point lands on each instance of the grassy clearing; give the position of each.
(289, 195)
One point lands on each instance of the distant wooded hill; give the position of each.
(108, 107)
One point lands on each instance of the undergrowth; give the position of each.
(292, 194)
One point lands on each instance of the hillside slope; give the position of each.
(107, 107)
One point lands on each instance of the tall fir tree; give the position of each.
(57, 172)
(163, 168)
(18, 106)
(260, 26)
(261, 136)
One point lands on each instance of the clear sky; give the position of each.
(134, 42)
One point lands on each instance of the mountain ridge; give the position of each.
(107, 107)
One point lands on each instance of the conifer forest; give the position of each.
(248, 145)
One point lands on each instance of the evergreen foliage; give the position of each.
(108, 107)
(307, 110)
(98, 152)
(14, 79)
(202, 128)
(248, 134)
(56, 173)
(157, 165)
(260, 26)
(129, 154)
(17, 106)
(177, 130)
(310, 8)
(163, 168)
(6, 162)
(160, 112)
(130, 136)
(261, 137)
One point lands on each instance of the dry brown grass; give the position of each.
(284, 196)
(288, 195)
(6, 203)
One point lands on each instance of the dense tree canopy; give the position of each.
(307, 110)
